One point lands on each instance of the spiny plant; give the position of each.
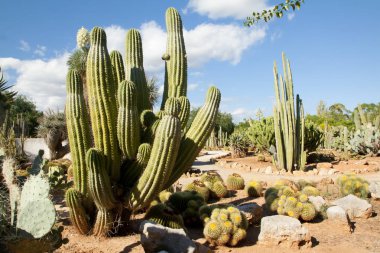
(362, 119)
(351, 184)
(238, 142)
(289, 122)
(261, 133)
(129, 139)
(254, 189)
(365, 141)
(164, 215)
(214, 182)
(224, 224)
(199, 187)
(235, 182)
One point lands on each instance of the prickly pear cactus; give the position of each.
(137, 154)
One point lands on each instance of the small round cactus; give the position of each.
(212, 230)
(235, 182)
(219, 189)
(310, 191)
(199, 187)
(308, 212)
(254, 189)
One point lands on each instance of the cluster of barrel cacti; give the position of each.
(291, 201)
(199, 187)
(224, 224)
(254, 189)
(235, 182)
(164, 215)
(214, 182)
(187, 203)
(136, 152)
(351, 184)
(289, 122)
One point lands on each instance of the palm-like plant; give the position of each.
(6, 96)
(153, 91)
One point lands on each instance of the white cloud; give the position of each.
(24, 46)
(192, 86)
(238, 9)
(40, 51)
(43, 81)
(291, 16)
(239, 111)
(205, 42)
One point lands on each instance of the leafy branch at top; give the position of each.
(277, 11)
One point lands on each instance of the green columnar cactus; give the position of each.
(135, 70)
(120, 184)
(161, 162)
(77, 129)
(289, 122)
(77, 211)
(197, 135)
(176, 59)
(117, 66)
(128, 125)
(103, 112)
(185, 111)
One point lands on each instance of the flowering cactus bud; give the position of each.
(83, 38)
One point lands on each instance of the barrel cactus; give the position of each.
(136, 154)
(235, 182)
(351, 184)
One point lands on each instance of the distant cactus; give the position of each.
(351, 184)
(289, 122)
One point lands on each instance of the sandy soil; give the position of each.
(326, 237)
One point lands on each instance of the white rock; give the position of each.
(355, 207)
(336, 213)
(317, 201)
(280, 230)
(374, 188)
(333, 171)
(268, 170)
(323, 172)
(155, 237)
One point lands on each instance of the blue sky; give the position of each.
(333, 47)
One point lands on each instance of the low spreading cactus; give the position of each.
(351, 184)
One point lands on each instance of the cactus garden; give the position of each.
(187, 128)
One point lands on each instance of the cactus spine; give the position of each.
(121, 119)
(289, 122)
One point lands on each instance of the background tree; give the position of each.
(6, 97)
(25, 108)
(277, 11)
(223, 120)
(153, 90)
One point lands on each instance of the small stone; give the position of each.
(354, 206)
(361, 162)
(324, 165)
(268, 170)
(333, 171)
(374, 188)
(323, 172)
(317, 201)
(283, 231)
(336, 213)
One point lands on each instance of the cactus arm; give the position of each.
(160, 165)
(197, 135)
(117, 67)
(99, 181)
(135, 69)
(185, 111)
(103, 111)
(77, 129)
(128, 127)
(77, 212)
(177, 62)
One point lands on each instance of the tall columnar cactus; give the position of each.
(175, 57)
(136, 153)
(135, 70)
(289, 122)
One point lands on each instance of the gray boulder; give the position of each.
(336, 213)
(374, 188)
(156, 238)
(355, 207)
(284, 231)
